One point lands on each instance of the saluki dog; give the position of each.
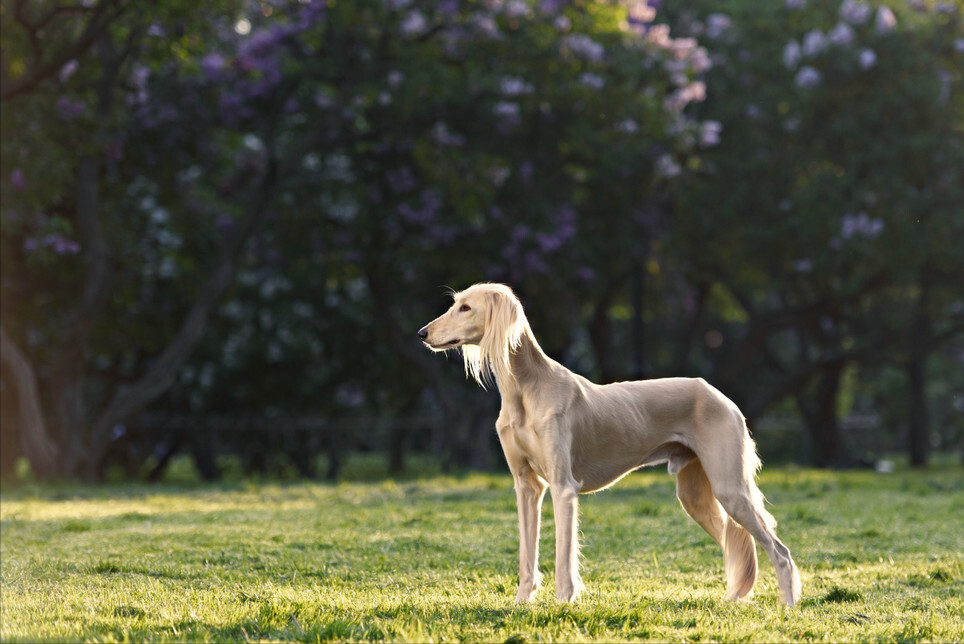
(566, 434)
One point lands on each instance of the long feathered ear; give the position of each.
(504, 327)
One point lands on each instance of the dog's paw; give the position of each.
(570, 591)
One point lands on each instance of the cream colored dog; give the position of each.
(560, 431)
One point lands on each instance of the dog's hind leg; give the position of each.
(739, 550)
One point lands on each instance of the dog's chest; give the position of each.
(521, 437)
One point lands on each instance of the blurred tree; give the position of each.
(831, 209)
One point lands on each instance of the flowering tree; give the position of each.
(340, 161)
(829, 209)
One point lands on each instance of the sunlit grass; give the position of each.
(434, 559)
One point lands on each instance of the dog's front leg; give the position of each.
(529, 490)
(565, 506)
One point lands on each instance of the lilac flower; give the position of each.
(486, 24)
(514, 86)
(681, 48)
(509, 113)
(586, 274)
(813, 43)
(639, 14)
(17, 179)
(658, 36)
(551, 6)
(448, 7)
(796, 4)
(842, 34)
(700, 61)
(959, 45)
(401, 179)
(791, 54)
(860, 225)
(562, 23)
(867, 58)
(156, 30)
(629, 126)
(716, 25)
(591, 80)
(444, 136)
(414, 23)
(30, 245)
(710, 133)
(516, 9)
(885, 21)
(526, 170)
(549, 242)
(807, 77)
(67, 70)
(395, 78)
(213, 65)
(61, 245)
(584, 47)
(667, 167)
(69, 109)
(854, 12)
(803, 265)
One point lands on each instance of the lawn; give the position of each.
(434, 559)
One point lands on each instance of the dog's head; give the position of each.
(486, 321)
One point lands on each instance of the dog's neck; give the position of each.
(527, 362)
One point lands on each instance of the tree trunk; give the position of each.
(820, 415)
(36, 444)
(918, 429)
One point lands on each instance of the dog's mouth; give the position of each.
(444, 345)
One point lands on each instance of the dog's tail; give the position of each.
(739, 559)
(739, 548)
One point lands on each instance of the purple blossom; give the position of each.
(854, 12)
(68, 70)
(61, 245)
(551, 6)
(716, 25)
(591, 80)
(867, 58)
(796, 4)
(17, 179)
(401, 179)
(444, 136)
(586, 274)
(710, 133)
(156, 30)
(667, 167)
(860, 225)
(69, 109)
(584, 47)
(885, 21)
(814, 42)
(414, 23)
(807, 78)
(792, 54)
(213, 65)
(638, 16)
(842, 34)
(514, 86)
(507, 112)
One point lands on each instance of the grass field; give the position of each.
(434, 559)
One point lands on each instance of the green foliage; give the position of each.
(434, 558)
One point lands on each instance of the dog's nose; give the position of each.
(423, 333)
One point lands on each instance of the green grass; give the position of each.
(435, 560)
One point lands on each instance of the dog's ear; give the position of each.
(504, 326)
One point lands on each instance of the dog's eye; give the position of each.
(464, 308)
